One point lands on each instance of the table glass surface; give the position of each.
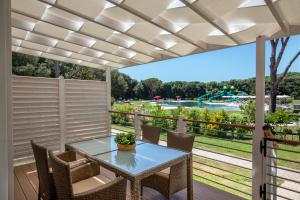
(145, 157)
(98, 145)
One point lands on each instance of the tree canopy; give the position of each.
(124, 87)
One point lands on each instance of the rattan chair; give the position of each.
(96, 187)
(151, 134)
(46, 183)
(173, 179)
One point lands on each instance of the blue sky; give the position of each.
(231, 63)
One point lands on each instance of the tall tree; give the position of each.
(119, 85)
(152, 86)
(275, 60)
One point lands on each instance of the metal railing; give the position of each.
(283, 182)
(220, 158)
(222, 154)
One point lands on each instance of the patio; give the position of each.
(26, 187)
(110, 34)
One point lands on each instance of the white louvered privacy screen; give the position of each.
(54, 111)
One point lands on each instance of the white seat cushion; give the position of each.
(90, 183)
(165, 171)
(77, 163)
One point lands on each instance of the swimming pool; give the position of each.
(210, 106)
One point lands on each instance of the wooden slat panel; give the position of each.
(86, 109)
(35, 113)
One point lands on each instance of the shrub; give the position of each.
(278, 117)
(222, 117)
(126, 139)
(159, 112)
(248, 109)
(121, 118)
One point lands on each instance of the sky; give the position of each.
(220, 65)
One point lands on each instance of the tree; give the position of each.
(19, 59)
(131, 83)
(119, 86)
(41, 70)
(139, 91)
(152, 86)
(274, 64)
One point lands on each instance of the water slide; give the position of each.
(220, 94)
(211, 97)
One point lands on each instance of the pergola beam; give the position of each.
(109, 27)
(44, 35)
(205, 15)
(32, 49)
(276, 12)
(149, 20)
(81, 33)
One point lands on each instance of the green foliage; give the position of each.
(192, 113)
(25, 65)
(159, 112)
(128, 138)
(152, 87)
(278, 117)
(120, 118)
(119, 85)
(40, 70)
(124, 87)
(19, 59)
(248, 109)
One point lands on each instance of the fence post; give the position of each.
(61, 93)
(108, 100)
(6, 146)
(258, 160)
(181, 125)
(137, 124)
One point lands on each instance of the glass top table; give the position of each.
(144, 158)
(134, 165)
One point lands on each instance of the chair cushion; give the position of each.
(90, 184)
(78, 162)
(165, 171)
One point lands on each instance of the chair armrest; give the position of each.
(67, 156)
(84, 171)
(115, 189)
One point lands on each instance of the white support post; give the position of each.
(181, 125)
(137, 124)
(61, 93)
(258, 173)
(6, 148)
(108, 92)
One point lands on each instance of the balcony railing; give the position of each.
(222, 153)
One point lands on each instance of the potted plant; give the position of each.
(125, 142)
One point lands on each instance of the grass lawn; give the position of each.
(296, 101)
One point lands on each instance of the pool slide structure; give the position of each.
(220, 94)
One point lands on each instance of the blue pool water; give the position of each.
(229, 107)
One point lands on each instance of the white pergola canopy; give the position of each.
(111, 34)
(121, 33)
